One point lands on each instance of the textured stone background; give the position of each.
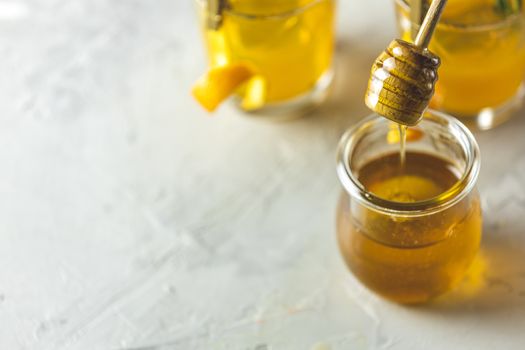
(129, 219)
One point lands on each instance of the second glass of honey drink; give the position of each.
(481, 44)
(273, 56)
(409, 224)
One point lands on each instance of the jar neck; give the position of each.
(433, 123)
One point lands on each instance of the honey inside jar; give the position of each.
(410, 260)
(408, 231)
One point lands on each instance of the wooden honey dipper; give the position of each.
(403, 77)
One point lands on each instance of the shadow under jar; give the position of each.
(288, 43)
(409, 231)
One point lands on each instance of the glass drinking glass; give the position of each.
(409, 250)
(481, 44)
(288, 43)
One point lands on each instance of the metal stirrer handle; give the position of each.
(429, 23)
(416, 15)
(214, 13)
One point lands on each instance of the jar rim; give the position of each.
(470, 27)
(445, 200)
(270, 16)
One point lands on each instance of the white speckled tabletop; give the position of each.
(129, 219)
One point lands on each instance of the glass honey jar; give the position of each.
(409, 230)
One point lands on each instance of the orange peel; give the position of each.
(412, 134)
(220, 82)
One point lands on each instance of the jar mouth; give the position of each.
(470, 27)
(267, 16)
(446, 199)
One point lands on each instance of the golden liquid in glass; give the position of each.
(409, 259)
(482, 55)
(289, 43)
